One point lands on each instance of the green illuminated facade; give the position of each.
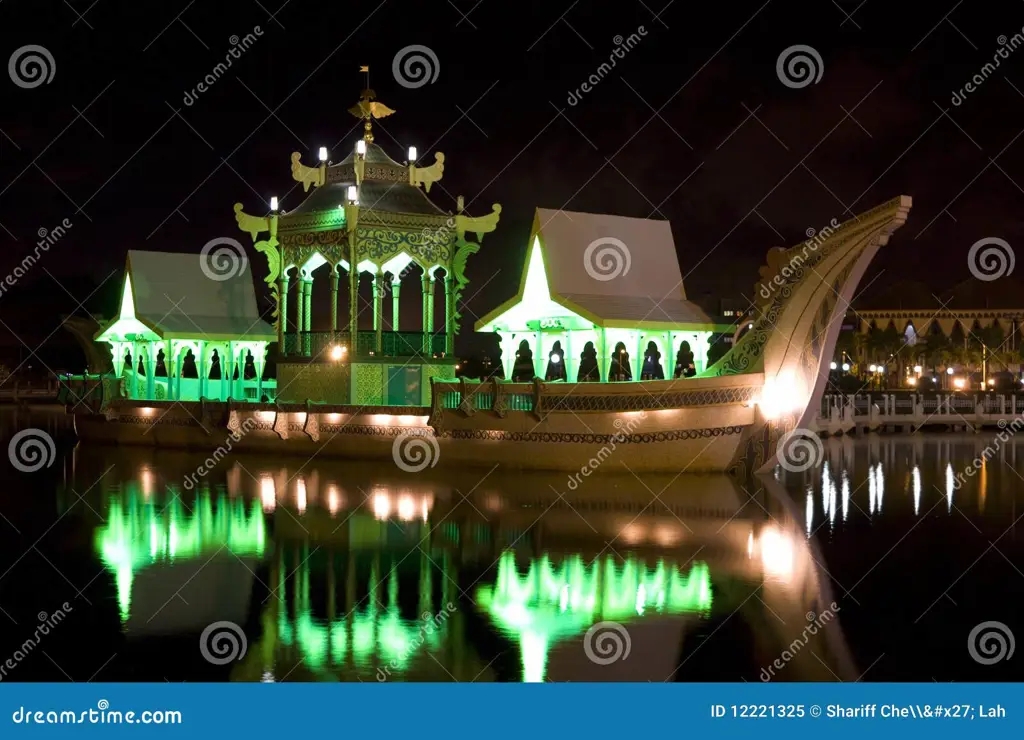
(175, 311)
(604, 286)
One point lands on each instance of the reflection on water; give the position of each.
(341, 571)
(550, 603)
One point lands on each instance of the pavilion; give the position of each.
(605, 280)
(172, 306)
(367, 215)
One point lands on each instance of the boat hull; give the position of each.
(693, 426)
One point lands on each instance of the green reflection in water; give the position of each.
(139, 533)
(552, 603)
(372, 636)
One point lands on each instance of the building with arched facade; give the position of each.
(604, 281)
(366, 217)
(174, 312)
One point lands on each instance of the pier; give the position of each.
(906, 411)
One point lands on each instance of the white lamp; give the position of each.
(832, 365)
(949, 371)
(412, 154)
(353, 193)
(273, 202)
(846, 367)
(361, 147)
(323, 154)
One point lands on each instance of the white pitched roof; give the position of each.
(174, 295)
(639, 251)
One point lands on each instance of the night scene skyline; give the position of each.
(691, 124)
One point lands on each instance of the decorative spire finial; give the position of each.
(368, 108)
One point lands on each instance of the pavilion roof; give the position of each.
(613, 271)
(172, 295)
(385, 187)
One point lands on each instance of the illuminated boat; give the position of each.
(572, 338)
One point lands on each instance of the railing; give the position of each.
(319, 344)
(840, 413)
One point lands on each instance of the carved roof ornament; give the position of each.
(369, 108)
(306, 175)
(478, 225)
(427, 176)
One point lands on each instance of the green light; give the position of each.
(552, 603)
(139, 533)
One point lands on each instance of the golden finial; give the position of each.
(368, 108)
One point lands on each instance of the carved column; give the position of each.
(378, 312)
(424, 282)
(307, 286)
(282, 309)
(353, 296)
(396, 287)
(334, 298)
(300, 306)
(430, 305)
(449, 314)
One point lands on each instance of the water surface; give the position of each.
(875, 565)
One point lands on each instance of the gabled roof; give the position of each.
(169, 295)
(612, 271)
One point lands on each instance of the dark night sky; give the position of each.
(693, 125)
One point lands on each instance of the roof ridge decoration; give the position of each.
(306, 175)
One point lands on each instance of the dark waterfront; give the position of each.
(336, 571)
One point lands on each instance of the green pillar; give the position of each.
(424, 283)
(282, 316)
(396, 287)
(378, 312)
(449, 314)
(334, 298)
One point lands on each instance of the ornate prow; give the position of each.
(427, 176)
(479, 225)
(800, 303)
(252, 225)
(306, 175)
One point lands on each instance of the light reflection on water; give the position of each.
(340, 571)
